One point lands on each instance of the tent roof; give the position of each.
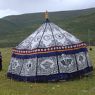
(48, 35)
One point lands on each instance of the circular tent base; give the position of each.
(50, 78)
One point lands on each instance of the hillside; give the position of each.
(13, 29)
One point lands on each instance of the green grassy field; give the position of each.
(84, 86)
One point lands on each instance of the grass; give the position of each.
(84, 86)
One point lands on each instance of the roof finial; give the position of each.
(46, 15)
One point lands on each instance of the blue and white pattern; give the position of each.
(53, 65)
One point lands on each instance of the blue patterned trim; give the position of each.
(48, 54)
(54, 77)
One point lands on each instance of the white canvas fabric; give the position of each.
(48, 35)
(50, 53)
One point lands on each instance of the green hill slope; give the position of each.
(13, 29)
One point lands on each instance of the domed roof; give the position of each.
(48, 35)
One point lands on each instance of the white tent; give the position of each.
(49, 54)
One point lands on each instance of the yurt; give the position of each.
(49, 54)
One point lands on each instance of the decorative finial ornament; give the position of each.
(46, 15)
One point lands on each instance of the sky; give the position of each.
(15, 7)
